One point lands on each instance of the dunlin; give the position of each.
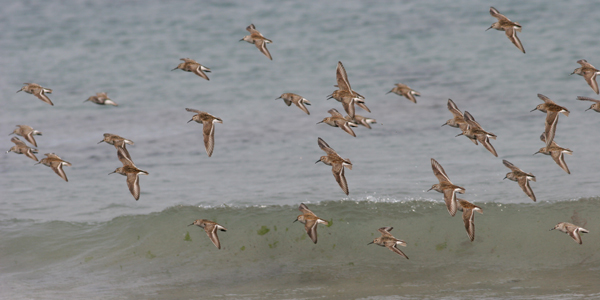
(508, 26)
(133, 174)
(210, 228)
(520, 177)
(119, 143)
(190, 65)
(27, 132)
(588, 72)
(300, 101)
(458, 119)
(358, 119)
(556, 152)
(445, 186)
(310, 221)
(101, 99)
(258, 39)
(388, 240)
(468, 210)
(595, 106)
(475, 133)
(208, 126)
(337, 120)
(337, 164)
(572, 230)
(552, 110)
(38, 91)
(403, 90)
(22, 148)
(345, 94)
(56, 163)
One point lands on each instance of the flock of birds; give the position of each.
(349, 100)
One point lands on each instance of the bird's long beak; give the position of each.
(551, 229)
(174, 69)
(459, 134)
(318, 161)
(277, 98)
(569, 74)
(533, 109)
(588, 109)
(490, 28)
(320, 122)
(388, 92)
(34, 164)
(86, 100)
(19, 91)
(190, 120)
(430, 189)
(504, 178)
(112, 172)
(444, 124)
(241, 40)
(536, 153)
(295, 220)
(190, 224)
(370, 243)
(100, 141)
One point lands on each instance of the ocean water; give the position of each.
(89, 238)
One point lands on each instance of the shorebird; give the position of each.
(258, 39)
(588, 72)
(132, 172)
(208, 124)
(552, 110)
(101, 99)
(337, 164)
(119, 143)
(556, 152)
(337, 120)
(445, 186)
(458, 119)
(403, 90)
(475, 133)
(310, 221)
(22, 148)
(300, 101)
(345, 94)
(38, 91)
(508, 26)
(210, 228)
(190, 65)
(56, 163)
(358, 119)
(595, 106)
(520, 177)
(468, 210)
(388, 240)
(27, 132)
(572, 230)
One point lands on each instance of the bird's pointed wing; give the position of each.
(198, 71)
(511, 33)
(209, 136)
(58, 169)
(438, 171)
(262, 46)
(338, 172)
(300, 104)
(304, 209)
(524, 184)
(311, 229)
(485, 141)
(133, 183)
(342, 77)
(545, 99)
(450, 199)
(559, 158)
(392, 247)
(211, 231)
(469, 224)
(496, 14)
(590, 78)
(550, 128)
